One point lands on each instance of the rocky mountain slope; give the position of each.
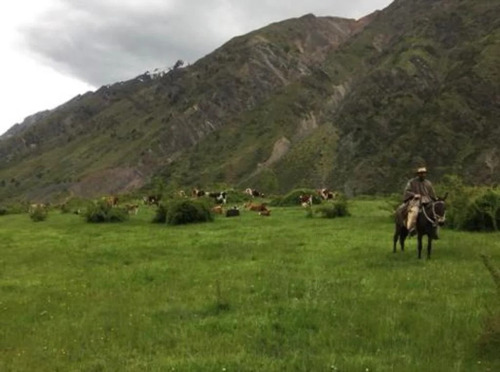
(312, 101)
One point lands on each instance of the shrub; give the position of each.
(181, 212)
(161, 214)
(482, 213)
(338, 208)
(3, 211)
(293, 198)
(38, 213)
(103, 212)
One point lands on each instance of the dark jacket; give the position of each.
(417, 186)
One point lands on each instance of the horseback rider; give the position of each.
(418, 191)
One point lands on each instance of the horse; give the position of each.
(430, 217)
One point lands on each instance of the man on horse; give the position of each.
(418, 191)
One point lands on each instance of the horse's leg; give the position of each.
(419, 238)
(404, 234)
(395, 239)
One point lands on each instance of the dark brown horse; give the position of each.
(430, 216)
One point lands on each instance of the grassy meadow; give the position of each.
(280, 293)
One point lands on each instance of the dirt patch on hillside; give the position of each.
(109, 181)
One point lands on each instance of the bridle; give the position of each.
(435, 219)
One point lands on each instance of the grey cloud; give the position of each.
(104, 41)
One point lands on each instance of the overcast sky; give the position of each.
(56, 49)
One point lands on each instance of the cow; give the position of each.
(306, 200)
(151, 200)
(233, 212)
(256, 207)
(265, 213)
(219, 197)
(254, 193)
(112, 201)
(196, 193)
(326, 194)
(132, 208)
(218, 209)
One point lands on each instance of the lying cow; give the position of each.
(218, 209)
(256, 207)
(233, 212)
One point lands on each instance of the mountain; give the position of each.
(353, 105)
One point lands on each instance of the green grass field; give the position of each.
(279, 293)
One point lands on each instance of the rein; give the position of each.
(434, 221)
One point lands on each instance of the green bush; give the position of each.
(161, 214)
(38, 213)
(482, 213)
(293, 198)
(339, 208)
(184, 211)
(101, 211)
(181, 212)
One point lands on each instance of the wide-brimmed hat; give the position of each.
(422, 170)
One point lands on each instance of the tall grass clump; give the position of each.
(99, 212)
(180, 212)
(339, 208)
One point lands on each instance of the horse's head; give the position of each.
(439, 210)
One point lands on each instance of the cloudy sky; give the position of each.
(56, 49)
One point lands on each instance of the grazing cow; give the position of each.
(306, 200)
(219, 197)
(326, 194)
(132, 208)
(254, 193)
(218, 209)
(233, 212)
(265, 213)
(197, 193)
(152, 200)
(256, 207)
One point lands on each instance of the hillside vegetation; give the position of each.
(352, 105)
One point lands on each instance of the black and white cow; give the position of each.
(220, 197)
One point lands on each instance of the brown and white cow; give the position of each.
(326, 194)
(254, 193)
(306, 200)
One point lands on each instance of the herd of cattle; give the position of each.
(219, 198)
